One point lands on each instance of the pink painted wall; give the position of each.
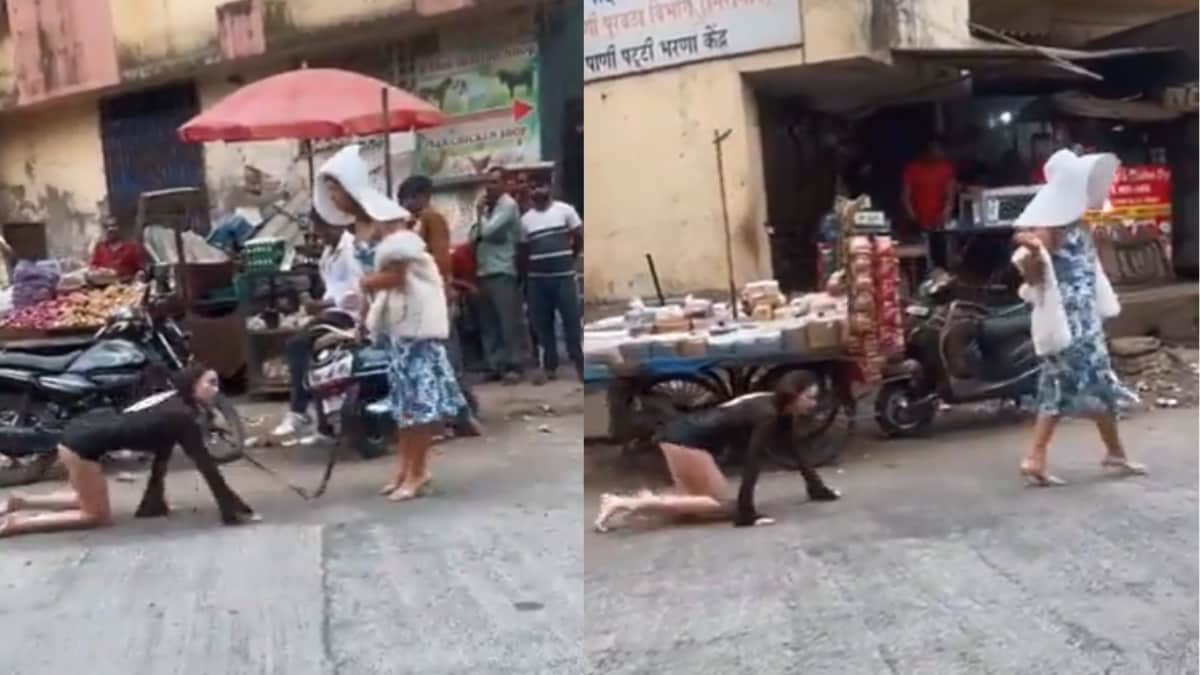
(61, 47)
(240, 29)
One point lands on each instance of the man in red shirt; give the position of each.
(930, 186)
(114, 253)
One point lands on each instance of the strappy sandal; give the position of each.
(1123, 467)
(403, 494)
(1039, 477)
(608, 510)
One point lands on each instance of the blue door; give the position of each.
(141, 149)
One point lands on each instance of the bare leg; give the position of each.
(400, 447)
(658, 504)
(55, 501)
(1115, 457)
(93, 510)
(417, 443)
(1033, 466)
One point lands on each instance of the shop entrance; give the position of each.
(821, 140)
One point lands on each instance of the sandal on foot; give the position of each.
(1040, 478)
(1124, 467)
(403, 494)
(608, 509)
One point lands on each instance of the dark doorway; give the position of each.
(572, 153)
(141, 149)
(28, 240)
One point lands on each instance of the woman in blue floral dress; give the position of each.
(1077, 381)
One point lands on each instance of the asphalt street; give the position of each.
(937, 561)
(484, 576)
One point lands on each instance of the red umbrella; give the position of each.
(310, 103)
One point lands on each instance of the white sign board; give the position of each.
(623, 37)
(1182, 99)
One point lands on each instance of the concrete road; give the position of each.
(485, 576)
(936, 562)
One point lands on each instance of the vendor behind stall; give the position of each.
(929, 186)
(115, 252)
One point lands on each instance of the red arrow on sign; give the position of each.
(520, 109)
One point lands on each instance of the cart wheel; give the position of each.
(641, 410)
(686, 393)
(819, 442)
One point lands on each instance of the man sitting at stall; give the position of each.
(929, 186)
(124, 257)
(340, 274)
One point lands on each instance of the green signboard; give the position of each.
(491, 96)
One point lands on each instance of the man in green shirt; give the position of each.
(494, 236)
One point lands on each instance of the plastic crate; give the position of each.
(263, 255)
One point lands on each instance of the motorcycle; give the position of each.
(348, 381)
(129, 359)
(955, 352)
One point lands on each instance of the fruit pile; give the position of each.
(80, 309)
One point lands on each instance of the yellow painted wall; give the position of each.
(652, 186)
(650, 169)
(305, 15)
(156, 33)
(52, 171)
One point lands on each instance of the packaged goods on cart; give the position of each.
(760, 298)
(887, 297)
(276, 369)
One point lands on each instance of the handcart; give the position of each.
(644, 396)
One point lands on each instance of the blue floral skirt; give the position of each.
(1080, 382)
(423, 388)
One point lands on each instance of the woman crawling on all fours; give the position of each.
(699, 488)
(156, 425)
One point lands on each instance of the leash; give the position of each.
(304, 494)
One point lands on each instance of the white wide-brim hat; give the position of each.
(348, 167)
(1074, 186)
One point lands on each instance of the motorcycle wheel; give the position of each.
(226, 432)
(25, 471)
(366, 435)
(897, 415)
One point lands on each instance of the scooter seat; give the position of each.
(1002, 312)
(995, 331)
(41, 363)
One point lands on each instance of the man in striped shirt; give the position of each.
(552, 235)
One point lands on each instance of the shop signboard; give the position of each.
(1185, 98)
(624, 37)
(1140, 193)
(490, 95)
(1134, 237)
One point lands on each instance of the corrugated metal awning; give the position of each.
(1012, 66)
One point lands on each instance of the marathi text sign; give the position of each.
(621, 37)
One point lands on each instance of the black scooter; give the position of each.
(955, 352)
